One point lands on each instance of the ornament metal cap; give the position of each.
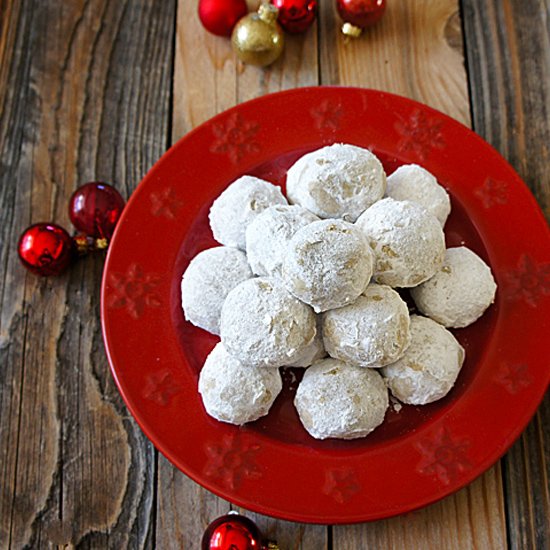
(268, 13)
(351, 30)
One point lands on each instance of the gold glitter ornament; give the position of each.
(257, 38)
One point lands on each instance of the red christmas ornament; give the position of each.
(46, 249)
(359, 14)
(296, 16)
(220, 16)
(95, 208)
(234, 532)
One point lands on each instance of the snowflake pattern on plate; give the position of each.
(529, 282)
(492, 192)
(160, 387)
(341, 484)
(419, 134)
(235, 137)
(165, 203)
(443, 456)
(133, 291)
(327, 115)
(231, 461)
(513, 378)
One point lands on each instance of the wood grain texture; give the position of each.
(98, 89)
(470, 519)
(508, 53)
(417, 51)
(85, 95)
(207, 80)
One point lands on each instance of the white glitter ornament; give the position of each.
(408, 242)
(414, 183)
(238, 205)
(337, 181)
(430, 366)
(460, 292)
(210, 276)
(373, 331)
(335, 400)
(268, 235)
(327, 264)
(234, 393)
(263, 325)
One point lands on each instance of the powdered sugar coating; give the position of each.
(238, 205)
(414, 183)
(341, 401)
(430, 366)
(460, 292)
(373, 331)
(313, 351)
(263, 325)
(327, 264)
(268, 234)
(208, 279)
(234, 393)
(408, 242)
(337, 181)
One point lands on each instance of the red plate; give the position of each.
(273, 466)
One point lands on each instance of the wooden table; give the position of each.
(99, 89)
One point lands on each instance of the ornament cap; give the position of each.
(101, 244)
(82, 244)
(85, 244)
(351, 30)
(268, 13)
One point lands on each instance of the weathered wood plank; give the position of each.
(85, 90)
(508, 52)
(416, 51)
(207, 80)
(465, 520)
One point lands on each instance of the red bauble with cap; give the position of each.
(359, 14)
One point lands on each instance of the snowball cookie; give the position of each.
(373, 331)
(263, 325)
(327, 264)
(336, 181)
(234, 393)
(408, 242)
(339, 400)
(414, 183)
(461, 290)
(430, 366)
(313, 351)
(269, 233)
(238, 205)
(207, 281)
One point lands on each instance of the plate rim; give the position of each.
(149, 430)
